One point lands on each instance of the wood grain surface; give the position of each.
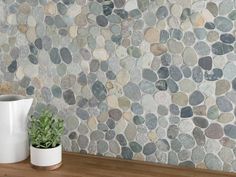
(79, 165)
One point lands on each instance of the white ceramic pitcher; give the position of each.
(14, 143)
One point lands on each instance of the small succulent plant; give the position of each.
(45, 131)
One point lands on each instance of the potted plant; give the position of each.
(45, 133)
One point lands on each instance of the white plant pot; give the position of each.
(48, 159)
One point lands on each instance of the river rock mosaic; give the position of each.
(151, 80)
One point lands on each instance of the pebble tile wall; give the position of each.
(152, 80)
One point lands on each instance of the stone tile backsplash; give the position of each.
(153, 80)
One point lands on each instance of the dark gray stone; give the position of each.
(121, 139)
(205, 63)
(163, 72)
(82, 114)
(200, 122)
(149, 148)
(54, 56)
(161, 85)
(186, 140)
(138, 120)
(119, 3)
(174, 109)
(46, 94)
(136, 108)
(66, 55)
(102, 20)
(107, 7)
(62, 9)
(166, 59)
(126, 153)
(230, 131)
(162, 12)
(110, 134)
(132, 91)
(82, 79)
(147, 87)
(186, 71)
(149, 74)
(164, 36)
(234, 83)
(12, 67)
(151, 121)
(224, 104)
(99, 91)
(175, 73)
(163, 145)
(176, 145)
(196, 98)
(135, 147)
(209, 25)
(56, 91)
(197, 74)
(188, 164)
(172, 132)
(59, 22)
(68, 2)
(227, 38)
(172, 85)
(186, 112)
(110, 75)
(83, 141)
(115, 114)
(121, 13)
(111, 123)
(220, 48)
(213, 75)
(38, 43)
(199, 136)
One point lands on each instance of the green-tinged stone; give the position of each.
(213, 112)
(135, 147)
(232, 15)
(134, 52)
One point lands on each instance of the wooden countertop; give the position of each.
(78, 165)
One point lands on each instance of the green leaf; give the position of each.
(45, 131)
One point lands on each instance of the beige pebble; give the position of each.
(152, 136)
(123, 77)
(25, 8)
(112, 101)
(176, 10)
(73, 10)
(158, 49)
(100, 54)
(31, 34)
(22, 28)
(92, 123)
(73, 31)
(11, 19)
(50, 8)
(180, 99)
(187, 85)
(31, 21)
(128, 115)
(152, 35)
(197, 20)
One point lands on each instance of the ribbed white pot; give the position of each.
(46, 158)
